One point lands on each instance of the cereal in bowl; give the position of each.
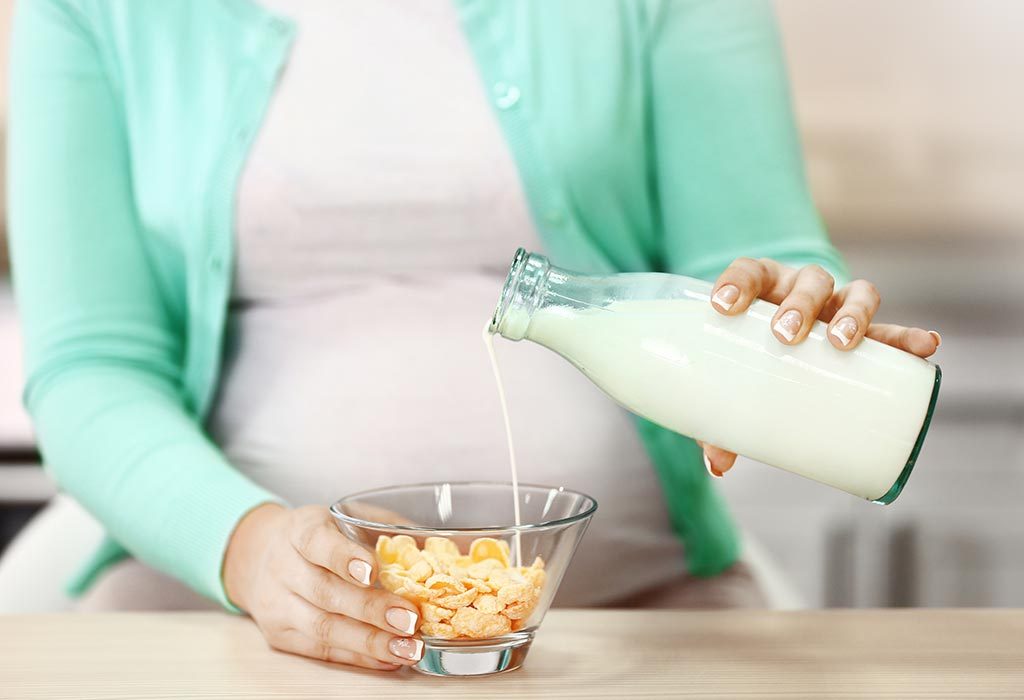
(461, 596)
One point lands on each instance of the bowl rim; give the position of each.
(529, 527)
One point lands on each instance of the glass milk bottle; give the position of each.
(853, 420)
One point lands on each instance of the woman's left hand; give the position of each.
(804, 296)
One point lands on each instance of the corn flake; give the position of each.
(445, 583)
(401, 542)
(519, 611)
(489, 604)
(409, 558)
(475, 624)
(441, 547)
(505, 577)
(434, 561)
(412, 590)
(458, 600)
(440, 630)
(479, 584)
(386, 552)
(535, 576)
(420, 571)
(489, 548)
(483, 569)
(435, 613)
(515, 593)
(393, 580)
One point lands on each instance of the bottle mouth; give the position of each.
(522, 294)
(508, 291)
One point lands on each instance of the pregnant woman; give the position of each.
(254, 245)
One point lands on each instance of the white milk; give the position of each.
(849, 420)
(489, 344)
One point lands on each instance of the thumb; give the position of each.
(717, 460)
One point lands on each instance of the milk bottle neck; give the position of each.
(523, 293)
(534, 283)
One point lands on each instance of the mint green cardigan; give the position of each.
(649, 135)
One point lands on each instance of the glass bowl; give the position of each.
(553, 522)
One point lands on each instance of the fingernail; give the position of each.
(401, 619)
(844, 329)
(938, 338)
(711, 470)
(726, 296)
(406, 648)
(788, 325)
(360, 571)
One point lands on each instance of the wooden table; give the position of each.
(578, 654)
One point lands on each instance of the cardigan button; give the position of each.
(216, 263)
(554, 217)
(506, 95)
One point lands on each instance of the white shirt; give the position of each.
(376, 219)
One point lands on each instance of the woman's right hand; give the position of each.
(307, 587)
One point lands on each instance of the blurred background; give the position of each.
(911, 115)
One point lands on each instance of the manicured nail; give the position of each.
(406, 648)
(711, 470)
(401, 619)
(788, 325)
(360, 571)
(726, 296)
(844, 329)
(938, 338)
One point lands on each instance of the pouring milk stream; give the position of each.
(651, 341)
(489, 344)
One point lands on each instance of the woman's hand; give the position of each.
(307, 587)
(805, 296)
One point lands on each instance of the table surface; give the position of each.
(577, 653)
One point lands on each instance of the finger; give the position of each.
(380, 608)
(798, 311)
(294, 642)
(747, 279)
(345, 633)
(860, 301)
(914, 340)
(716, 460)
(317, 539)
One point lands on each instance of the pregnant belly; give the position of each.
(389, 383)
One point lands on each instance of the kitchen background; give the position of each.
(911, 115)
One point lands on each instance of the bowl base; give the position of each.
(452, 658)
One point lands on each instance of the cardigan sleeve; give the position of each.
(104, 351)
(729, 172)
